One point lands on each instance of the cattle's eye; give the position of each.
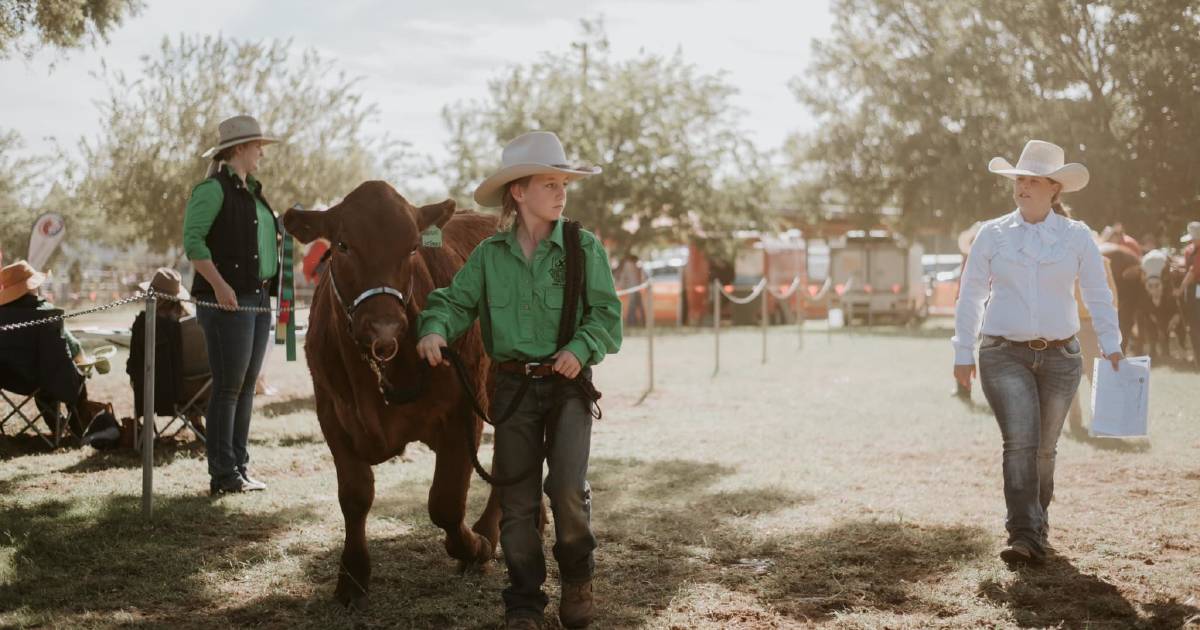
(414, 249)
(342, 247)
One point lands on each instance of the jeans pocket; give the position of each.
(1072, 350)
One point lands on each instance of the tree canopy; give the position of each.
(676, 162)
(914, 98)
(142, 167)
(27, 26)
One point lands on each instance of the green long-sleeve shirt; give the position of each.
(202, 209)
(525, 300)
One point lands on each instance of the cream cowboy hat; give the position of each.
(235, 131)
(1043, 159)
(1193, 233)
(533, 153)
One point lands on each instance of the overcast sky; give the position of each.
(415, 57)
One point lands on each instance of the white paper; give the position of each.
(1121, 399)
(1198, 291)
(836, 318)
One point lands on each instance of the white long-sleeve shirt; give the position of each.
(1019, 284)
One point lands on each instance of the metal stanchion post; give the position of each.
(765, 291)
(800, 317)
(148, 408)
(716, 300)
(650, 334)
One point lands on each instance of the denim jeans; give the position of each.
(1030, 392)
(237, 342)
(518, 444)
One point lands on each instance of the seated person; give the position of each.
(19, 283)
(169, 383)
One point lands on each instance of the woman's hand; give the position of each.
(430, 347)
(226, 296)
(566, 364)
(963, 374)
(1116, 360)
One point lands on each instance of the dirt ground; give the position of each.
(838, 485)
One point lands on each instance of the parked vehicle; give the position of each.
(879, 277)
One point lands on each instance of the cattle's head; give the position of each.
(374, 235)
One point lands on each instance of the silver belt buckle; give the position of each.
(529, 369)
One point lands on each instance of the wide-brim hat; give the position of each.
(235, 131)
(18, 279)
(533, 153)
(1193, 233)
(1043, 159)
(168, 281)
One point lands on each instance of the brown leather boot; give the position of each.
(576, 608)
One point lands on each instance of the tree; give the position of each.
(915, 98)
(17, 177)
(675, 161)
(28, 25)
(142, 168)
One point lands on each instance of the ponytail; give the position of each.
(1061, 208)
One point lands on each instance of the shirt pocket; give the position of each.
(552, 299)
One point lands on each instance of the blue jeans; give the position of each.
(1030, 392)
(518, 443)
(237, 342)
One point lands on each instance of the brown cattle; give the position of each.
(361, 343)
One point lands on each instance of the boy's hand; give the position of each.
(430, 347)
(566, 364)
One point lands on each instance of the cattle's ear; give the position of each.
(306, 225)
(435, 214)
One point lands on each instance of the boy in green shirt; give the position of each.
(514, 282)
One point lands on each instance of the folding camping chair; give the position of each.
(36, 367)
(182, 379)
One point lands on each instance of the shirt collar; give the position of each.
(556, 235)
(251, 182)
(1053, 221)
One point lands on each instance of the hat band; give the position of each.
(241, 138)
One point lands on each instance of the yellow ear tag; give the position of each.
(431, 237)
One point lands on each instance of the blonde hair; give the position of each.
(509, 214)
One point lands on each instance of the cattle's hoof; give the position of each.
(482, 560)
(354, 602)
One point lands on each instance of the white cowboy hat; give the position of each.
(237, 130)
(533, 153)
(1043, 159)
(1193, 233)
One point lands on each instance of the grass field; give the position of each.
(839, 485)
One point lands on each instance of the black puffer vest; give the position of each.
(233, 239)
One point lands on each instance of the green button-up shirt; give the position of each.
(525, 299)
(202, 209)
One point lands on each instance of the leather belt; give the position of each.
(1040, 344)
(534, 369)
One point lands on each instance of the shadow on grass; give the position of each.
(165, 452)
(663, 528)
(98, 556)
(1058, 595)
(288, 406)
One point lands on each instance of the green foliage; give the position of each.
(29, 25)
(18, 175)
(141, 169)
(914, 98)
(676, 164)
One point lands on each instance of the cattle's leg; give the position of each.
(356, 492)
(448, 497)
